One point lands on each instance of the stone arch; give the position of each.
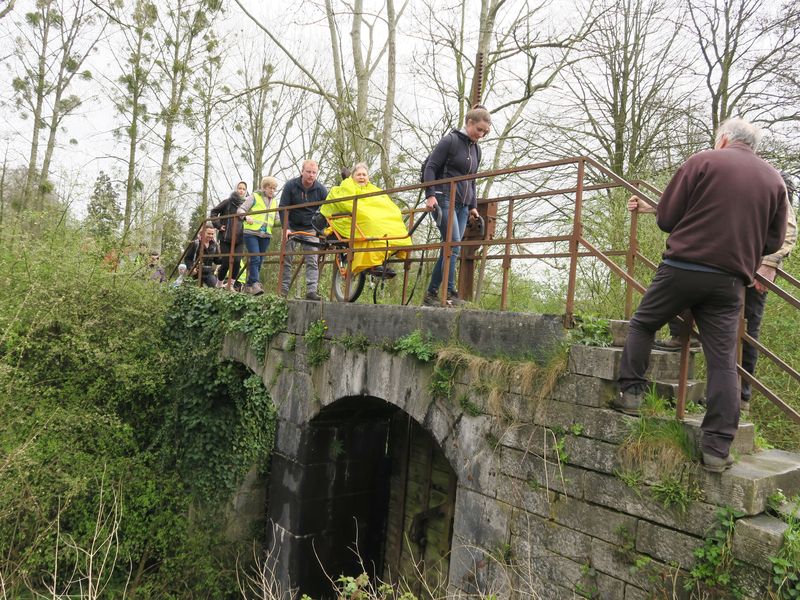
(302, 396)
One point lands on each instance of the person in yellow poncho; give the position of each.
(376, 217)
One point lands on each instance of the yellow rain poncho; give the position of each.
(377, 217)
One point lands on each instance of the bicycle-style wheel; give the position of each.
(339, 275)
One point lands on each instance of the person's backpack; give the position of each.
(444, 167)
(443, 173)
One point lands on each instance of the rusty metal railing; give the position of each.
(512, 247)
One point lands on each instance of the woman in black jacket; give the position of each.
(210, 255)
(456, 154)
(231, 232)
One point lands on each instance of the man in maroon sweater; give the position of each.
(724, 209)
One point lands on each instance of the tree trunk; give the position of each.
(388, 107)
(30, 178)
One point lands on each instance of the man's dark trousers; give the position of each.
(715, 300)
(754, 302)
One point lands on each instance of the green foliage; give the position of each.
(224, 420)
(504, 554)
(416, 344)
(676, 492)
(591, 330)
(775, 500)
(587, 586)
(469, 407)
(356, 343)
(103, 214)
(317, 351)
(576, 429)
(631, 478)
(442, 380)
(115, 405)
(653, 404)
(714, 562)
(361, 588)
(786, 564)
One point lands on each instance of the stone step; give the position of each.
(743, 443)
(591, 391)
(604, 363)
(695, 390)
(749, 483)
(619, 333)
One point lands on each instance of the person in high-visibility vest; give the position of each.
(258, 230)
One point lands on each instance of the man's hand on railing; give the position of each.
(430, 201)
(767, 273)
(636, 204)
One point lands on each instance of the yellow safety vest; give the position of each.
(262, 222)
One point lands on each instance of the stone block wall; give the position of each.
(540, 509)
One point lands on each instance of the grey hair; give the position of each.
(360, 165)
(739, 130)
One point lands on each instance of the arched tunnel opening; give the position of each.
(368, 490)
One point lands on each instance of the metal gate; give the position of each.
(421, 505)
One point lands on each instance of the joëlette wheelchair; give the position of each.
(330, 239)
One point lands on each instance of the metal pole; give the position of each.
(630, 262)
(577, 231)
(507, 255)
(232, 224)
(683, 372)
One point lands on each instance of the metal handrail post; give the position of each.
(507, 255)
(577, 232)
(230, 254)
(630, 261)
(282, 254)
(683, 370)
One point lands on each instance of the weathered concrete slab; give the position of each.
(743, 443)
(583, 390)
(510, 334)
(612, 492)
(748, 484)
(695, 390)
(756, 539)
(667, 545)
(488, 333)
(604, 363)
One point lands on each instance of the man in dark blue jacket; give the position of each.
(302, 190)
(456, 154)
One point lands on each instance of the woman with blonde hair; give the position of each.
(379, 222)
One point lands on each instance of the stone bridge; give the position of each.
(497, 468)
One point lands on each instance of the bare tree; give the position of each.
(180, 30)
(626, 97)
(130, 88)
(749, 59)
(208, 90)
(362, 121)
(9, 6)
(54, 42)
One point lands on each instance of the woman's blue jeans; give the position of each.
(460, 216)
(254, 244)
